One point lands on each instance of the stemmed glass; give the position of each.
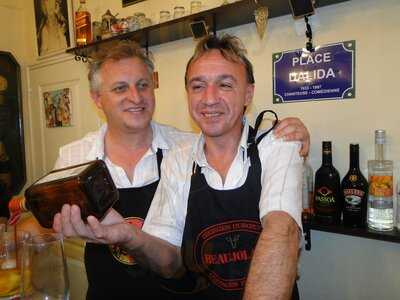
(44, 268)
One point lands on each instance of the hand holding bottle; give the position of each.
(111, 230)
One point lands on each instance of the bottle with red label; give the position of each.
(327, 191)
(83, 25)
(355, 192)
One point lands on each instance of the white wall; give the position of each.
(338, 267)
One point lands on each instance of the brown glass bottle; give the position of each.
(83, 25)
(327, 192)
(88, 185)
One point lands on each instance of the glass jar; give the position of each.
(195, 7)
(164, 16)
(179, 11)
(141, 18)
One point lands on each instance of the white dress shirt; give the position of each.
(91, 147)
(281, 180)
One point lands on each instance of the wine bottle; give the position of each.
(88, 185)
(355, 192)
(327, 192)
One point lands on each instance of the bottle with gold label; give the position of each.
(380, 198)
(83, 25)
(355, 192)
(88, 185)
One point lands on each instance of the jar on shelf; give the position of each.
(195, 6)
(164, 16)
(179, 11)
(141, 18)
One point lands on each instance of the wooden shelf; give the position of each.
(388, 236)
(222, 17)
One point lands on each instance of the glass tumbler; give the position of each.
(10, 262)
(44, 269)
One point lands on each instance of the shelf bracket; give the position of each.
(80, 56)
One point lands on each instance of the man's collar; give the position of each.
(159, 141)
(198, 151)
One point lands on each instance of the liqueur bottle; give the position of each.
(308, 189)
(88, 185)
(83, 25)
(355, 192)
(380, 199)
(327, 192)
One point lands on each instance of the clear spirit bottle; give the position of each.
(380, 177)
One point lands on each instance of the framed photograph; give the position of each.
(12, 148)
(130, 2)
(54, 28)
(57, 107)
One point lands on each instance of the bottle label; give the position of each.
(62, 174)
(381, 186)
(353, 199)
(325, 200)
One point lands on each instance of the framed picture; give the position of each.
(12, 149)
(54, 28)
(130, 2)
(57, 107)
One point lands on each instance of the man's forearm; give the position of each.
(156, 254)
(273, 268)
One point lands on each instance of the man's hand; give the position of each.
(293, 129)
(111, 230)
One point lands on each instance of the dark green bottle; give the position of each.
(327, 192)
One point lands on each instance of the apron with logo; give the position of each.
(222, 228)
(113, 273)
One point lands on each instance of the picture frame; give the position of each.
(57, 106)
(130, 2)
(12, 146)
(54, 27)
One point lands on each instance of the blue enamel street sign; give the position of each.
(326, 74)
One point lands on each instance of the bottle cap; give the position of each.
(326, 145)
(16, 207)
(380, 136)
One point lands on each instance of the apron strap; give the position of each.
(252, 140)
(159, 160)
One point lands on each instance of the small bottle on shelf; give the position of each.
(83, 25)
(327, 192)
(355, 192)
(380, 199)
(88, 185)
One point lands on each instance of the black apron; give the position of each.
(222, 228)
(111, 272)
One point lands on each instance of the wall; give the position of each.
(338, 267)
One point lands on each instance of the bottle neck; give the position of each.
(354, 158)
(379, 151)
(326, 157)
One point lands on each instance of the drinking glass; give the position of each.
(44, 269)
(10, 246)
